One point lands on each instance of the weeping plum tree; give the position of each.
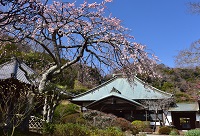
(83, 34)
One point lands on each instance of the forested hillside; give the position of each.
(184, 83)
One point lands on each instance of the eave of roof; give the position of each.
(185, 107)
(113, 94)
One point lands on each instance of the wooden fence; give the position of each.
(35, 124)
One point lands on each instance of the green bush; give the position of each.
(164, 130)
(140, 125)
(193, 132)
(72, 118)
(111, 131)
(63, 110)
(48, 128)
(80, 120)
(71, 130)
(174, 132)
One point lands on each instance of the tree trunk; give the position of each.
(51, 102)
(45, 109)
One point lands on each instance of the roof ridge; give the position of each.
(7, 62)
(90, 90)
(15, 67)
(153, 88)
(156, 93)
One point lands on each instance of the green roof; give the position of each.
(138, 90)
(185, 107)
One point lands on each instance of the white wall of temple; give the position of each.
(157, 123)
(197, 117)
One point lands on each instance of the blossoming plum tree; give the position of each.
(82, 33)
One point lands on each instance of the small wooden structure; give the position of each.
(16, 89)
(185, 116)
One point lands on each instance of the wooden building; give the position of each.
(123, 99)
(185, 116)
(16, 86)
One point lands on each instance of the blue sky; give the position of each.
(164, 26)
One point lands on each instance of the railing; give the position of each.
(35, 124)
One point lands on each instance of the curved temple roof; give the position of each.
(138, 90)
(16, 69)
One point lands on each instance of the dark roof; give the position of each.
(16, 69)
(117, 95)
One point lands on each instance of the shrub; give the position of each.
(48, 128)
(148, 129)
(174, 132)
(193, 132)
(63, 110)
(111, 131)
(164, 130)
(80, 120)
(140, 125)
(98, 119)
(124, 125)
(70, 130)
(72, 118)
(101, 120)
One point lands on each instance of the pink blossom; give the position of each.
(51, 30)
(92, 5)
(108, 0)
(71, 5)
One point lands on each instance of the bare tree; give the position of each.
(194, 7)
(159, 106)
(16, 105)
(190, 57)
(77, 33)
